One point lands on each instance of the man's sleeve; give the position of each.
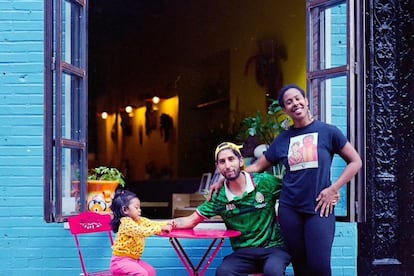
(207, 209)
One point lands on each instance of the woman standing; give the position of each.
(307, 198)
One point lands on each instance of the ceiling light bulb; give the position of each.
(128, 109)
(104, 115)
(155, 99)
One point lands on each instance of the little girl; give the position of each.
(132, 229)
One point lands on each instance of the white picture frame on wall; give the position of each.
(204, 183)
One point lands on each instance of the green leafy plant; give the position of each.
(106, 173)
(265, 127)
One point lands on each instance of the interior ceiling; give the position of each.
(137, 39)
(122, 16)
(116, 42)
(149, 28)
(167, 31)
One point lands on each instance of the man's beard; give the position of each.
(230, 178)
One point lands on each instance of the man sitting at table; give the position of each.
(246, 204)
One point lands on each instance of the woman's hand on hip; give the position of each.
(327, 199)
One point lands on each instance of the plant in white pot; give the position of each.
(102, 183)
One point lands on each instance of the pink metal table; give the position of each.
(217, 239)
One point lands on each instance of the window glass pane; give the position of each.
(65, 149)
(337, 104)
(71, 109)
(329, 37)
(70, 34)
(332, 95)
(70, 181)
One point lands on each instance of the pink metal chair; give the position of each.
(90, 223)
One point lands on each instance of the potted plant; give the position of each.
(102, 183)
(106, 174)
(265, 128)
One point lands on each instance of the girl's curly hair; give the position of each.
(121, 200)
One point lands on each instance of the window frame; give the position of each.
(318, 75)
(57, 69)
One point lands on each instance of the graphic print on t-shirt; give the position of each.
(303, 152)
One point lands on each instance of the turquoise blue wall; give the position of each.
(29, 246)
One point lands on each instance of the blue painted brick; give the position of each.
(23, 150)
(22, 36)
(23, 68)
(22, 95)
(18, 131)
(348, 251)
(33, 46)
(28, 5)
(22, 15)
(24, 26)
(19, 57)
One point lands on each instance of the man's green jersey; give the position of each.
(253, 214)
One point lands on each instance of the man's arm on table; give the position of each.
(187, 222)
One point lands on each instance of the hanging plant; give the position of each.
(268, 65)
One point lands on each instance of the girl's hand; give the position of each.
(327, 199)
(172, 223)
(166, 228)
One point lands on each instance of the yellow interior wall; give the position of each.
(152, 149)
(285, 20)
(238, 29)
